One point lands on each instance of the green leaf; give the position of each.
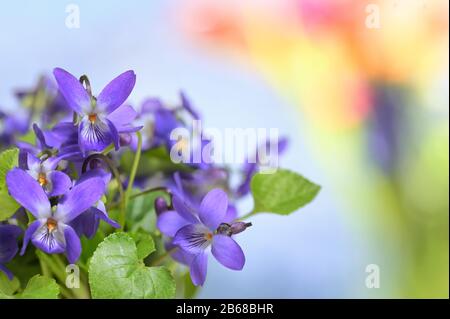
(116, 271)
(281, 192)
(25, 267)
(90, 245)
(40, 287)
(5, 296)
(8, 205)
(141, 212)
(144, 243)
(8, 160)
(8, 287)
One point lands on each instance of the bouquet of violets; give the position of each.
(93, 206)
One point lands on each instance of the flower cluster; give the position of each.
(82, 158)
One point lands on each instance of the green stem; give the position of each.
(58, 261)
(80, 293)
(109, 149)
(147, 191)
(49, 268)
(160, 260)
(44, 268)
(133, 172)
(56, 266)
(66, 292)
(151, 190)
(53, 266)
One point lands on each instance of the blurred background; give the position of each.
(360, 87)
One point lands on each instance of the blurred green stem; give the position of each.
(133, 172)
(160, 260)
(55, 266)
(107, 150)
(144, 192)
(44, 268)
(52, 266)
(151, 190)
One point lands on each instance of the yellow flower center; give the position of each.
(42, 179)
(51, 224)
(92, 118)
(208, 236)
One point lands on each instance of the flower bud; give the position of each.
(160, 206)
(233, 229)
(125, 139)
(239, 227)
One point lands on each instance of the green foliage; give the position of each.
(26, 266)
(90, 245)
(8, 287)
(144, 244)
(281, 192)
(154, 160)
(190, 290)
(117, 271)
(141, 212)
(8, 160)
(39, 287)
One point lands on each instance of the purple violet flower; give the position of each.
(165, 122)
(54, 182)
(61, 140)
(51, 231)
(104, 117)
(40, 142)
(146, 119)
(12, 126)
(8, 246)
(187, 105)
(88, 222)
(200, 230)
(201, 181)
(185, 205)
(64, 138)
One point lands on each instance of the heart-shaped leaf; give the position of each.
(117, 271)
(40, 287)
(281, 192)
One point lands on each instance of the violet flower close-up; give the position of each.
(196, 231)
(51, 231)
(54, 182)
(102, 118)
